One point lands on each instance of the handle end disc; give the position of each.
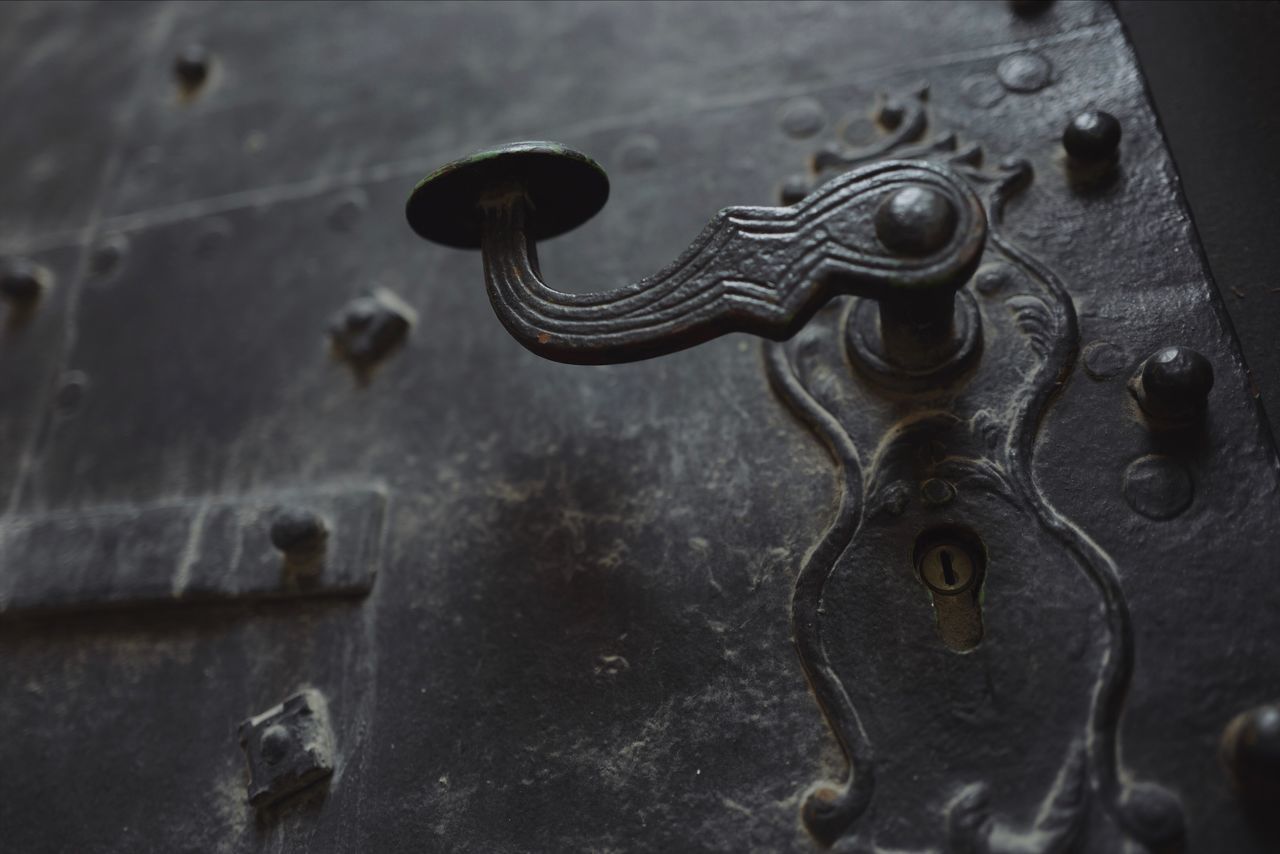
(565, 188)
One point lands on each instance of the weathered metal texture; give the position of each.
(290, 748)
(764, 270)
(115, 557)
(580, 636)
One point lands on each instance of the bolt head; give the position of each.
(297, 531)
(1154, 814)
(891, 114)
(108, 256)
(794, 189)
(289, 748)
(1251, 748)
(192, 65)
(916, 221)
(1259, 742)
(275, 743)
(1092, 137)
(21, 282)
(367, 330)
(1175, 383)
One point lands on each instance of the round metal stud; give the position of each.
(1092, 137)
(298, 532)
(1154, 815)
(1024, 72)
(21, 282)
(1175, 383)
(108, 256)
(802, 118)
(275, 743)
(1103, 360)
(1158, 486)
(916, 221)
(563, 188)
(1251, 751)
(191, 66)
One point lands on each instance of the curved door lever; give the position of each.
(907, 234)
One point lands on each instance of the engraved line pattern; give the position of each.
(759, 270)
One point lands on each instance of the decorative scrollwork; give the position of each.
(993, 454)
(907, 233)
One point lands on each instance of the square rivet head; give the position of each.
(289, 747)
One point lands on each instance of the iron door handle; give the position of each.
(906, 234)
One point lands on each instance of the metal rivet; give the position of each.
(802, 118)
(22, 281)
(191, 66)
(71, 393)
(1154, 814)
(1092, 137)
(1251, 751)
(947, 568)
(108, 255)
(296, 531)
(1158, 487)
(915, 221)
(289, 748)
(896, 498)
(982, 90)
(275, 743)
(1024, 72)
(993, 278)
(1174, 384)
(794, 189)
(1103, 360)
(346, 213)
(368, 329)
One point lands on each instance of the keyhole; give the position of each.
(948, 572)
(951, 561)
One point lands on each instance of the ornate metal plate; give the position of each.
(701, 602)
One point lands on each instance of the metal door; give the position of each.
(302, 552)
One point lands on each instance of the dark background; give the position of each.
(1211, 70)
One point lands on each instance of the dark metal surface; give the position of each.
(581, 634)
(1208, 65)
(196, 551)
